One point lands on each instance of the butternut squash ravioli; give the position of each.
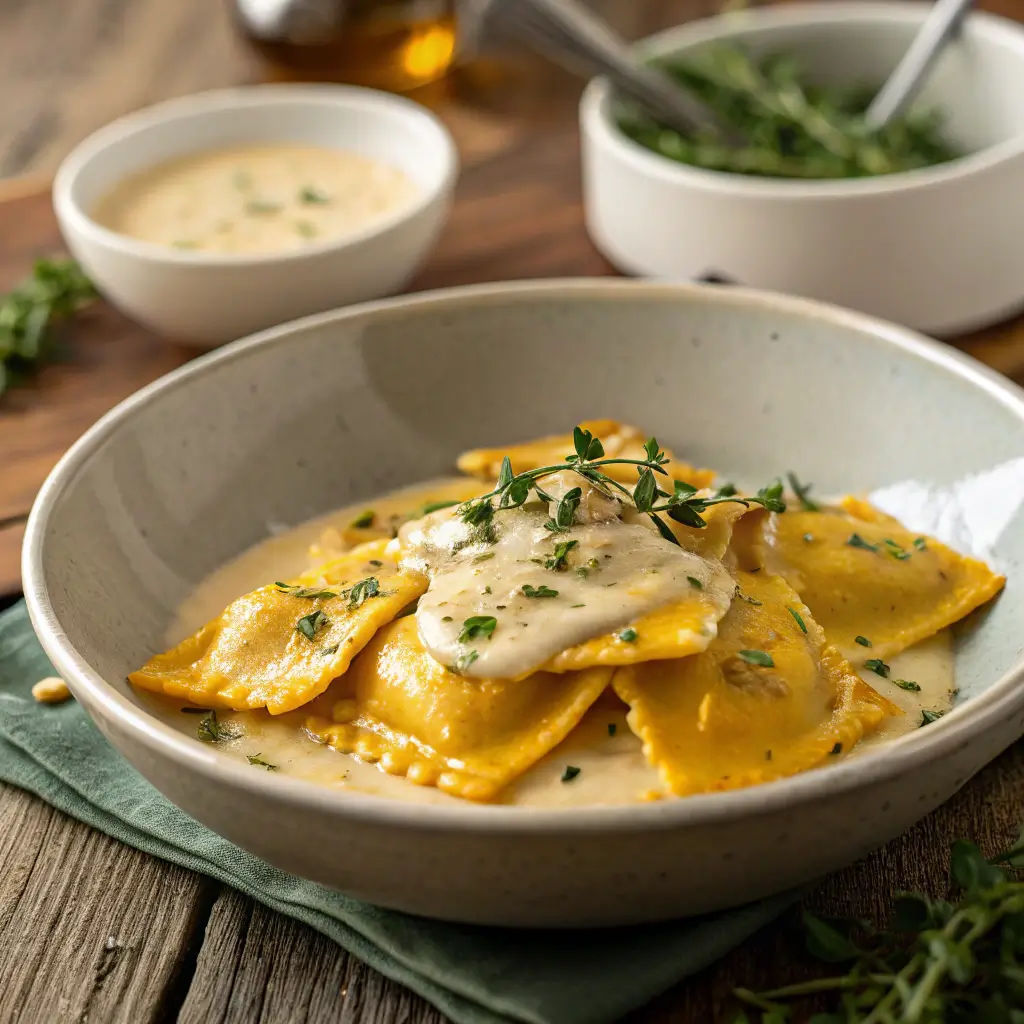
(583, 613)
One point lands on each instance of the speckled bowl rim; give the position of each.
(596, 119)
(1003, 698)
(221, 102)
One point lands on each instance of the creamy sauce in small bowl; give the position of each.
(255, 199)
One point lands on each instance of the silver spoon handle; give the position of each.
(902, 85)
(569, 34)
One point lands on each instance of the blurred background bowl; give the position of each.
(939, 249)
(209, 298)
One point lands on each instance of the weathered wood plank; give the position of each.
(257, 967)
(90, 929)
(75, 66)
(11, 536)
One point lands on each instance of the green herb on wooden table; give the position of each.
(940, 962)
(56, 289)
(792, 128)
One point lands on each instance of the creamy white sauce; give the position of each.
(613, 573)
(612, 766)
(255, 199)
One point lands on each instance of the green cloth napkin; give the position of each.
(475, 975)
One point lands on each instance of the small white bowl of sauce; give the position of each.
(213, 216)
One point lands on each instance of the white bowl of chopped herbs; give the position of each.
(922, 223)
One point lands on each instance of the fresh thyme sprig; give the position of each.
(56, 289)
(940, 962)
(683, 505)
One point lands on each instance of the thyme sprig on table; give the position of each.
(56, 289)
(939, 962)
(683, 504)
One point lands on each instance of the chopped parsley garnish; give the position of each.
(907, 684)
(797, 618)
(312, 195)
(558, 562)
(478, 626)
(803, 491)
(480, 516)
(628, 636)
(541, 591)
(612, 728)
(837, 749)
(920, 543)
(260, 763)
(877, 666)
(855, 540)
(896, 550)
(310, 624)
(363, 591)
(211, 731)
(761, 658)
(863, 641)
(365, 519)
(694, 582)
(570, 773)
(927, 717)
(262, 206)
(462, 662)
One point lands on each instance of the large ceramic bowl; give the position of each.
(325, 412)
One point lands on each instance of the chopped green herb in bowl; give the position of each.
(793, 127)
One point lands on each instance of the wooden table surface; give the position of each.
(91, 930)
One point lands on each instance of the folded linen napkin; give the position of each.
(474, 975)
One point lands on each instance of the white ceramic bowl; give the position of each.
(939, 249)
(211, 298)
(196, 467)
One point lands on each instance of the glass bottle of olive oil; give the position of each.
(396, 45)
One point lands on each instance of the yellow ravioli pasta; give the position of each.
(258, 653)
(862, 574)
(717, 721)
(711, 540)
(620, 442)
(468, 737)
(382, 517)
(674, 631)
